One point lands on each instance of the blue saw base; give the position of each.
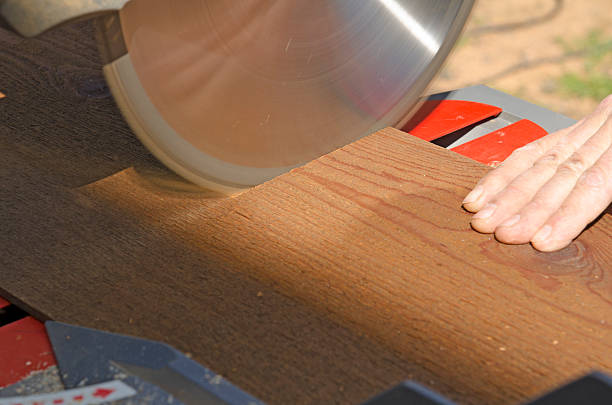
(159, 373)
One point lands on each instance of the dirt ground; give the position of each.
(554, 53)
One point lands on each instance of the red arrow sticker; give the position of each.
(102, 392)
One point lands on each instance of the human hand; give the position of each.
(548, 191)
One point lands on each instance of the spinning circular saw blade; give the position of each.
(230, 94)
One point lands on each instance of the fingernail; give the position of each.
(473, 195)
(486, 212)
(511, 221)
(542, 234)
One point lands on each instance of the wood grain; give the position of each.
(325, 285)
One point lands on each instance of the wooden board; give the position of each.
(325, 285)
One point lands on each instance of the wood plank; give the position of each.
(60, 130)
(327, 284)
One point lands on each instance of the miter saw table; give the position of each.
(479, 122)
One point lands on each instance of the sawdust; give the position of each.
(479, 58)
(38, 382)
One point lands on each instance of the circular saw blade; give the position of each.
(230, 94)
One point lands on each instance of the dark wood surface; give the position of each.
(325, 285)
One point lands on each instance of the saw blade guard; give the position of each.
(231, 94)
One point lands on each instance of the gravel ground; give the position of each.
(561, 61)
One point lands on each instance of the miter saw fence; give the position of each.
(483, 124)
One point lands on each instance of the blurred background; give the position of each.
(554, 53)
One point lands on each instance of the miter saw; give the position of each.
(230, 93)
